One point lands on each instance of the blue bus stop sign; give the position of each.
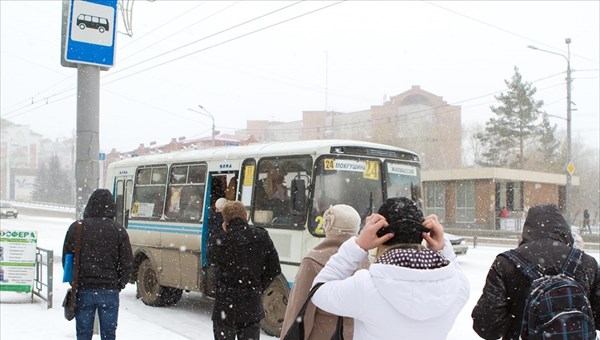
(91, 32)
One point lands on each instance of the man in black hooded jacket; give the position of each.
(547, 241)
(247, 264)
(105, 261)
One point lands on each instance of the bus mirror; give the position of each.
(298, 196)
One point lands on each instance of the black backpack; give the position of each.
(556, 306)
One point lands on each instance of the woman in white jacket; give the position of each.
(410, 292)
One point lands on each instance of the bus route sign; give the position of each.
(91, 32)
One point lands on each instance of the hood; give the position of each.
(418, 294)
(546, 222)
(100, 204)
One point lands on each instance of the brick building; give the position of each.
(473, 197)
(416, 120)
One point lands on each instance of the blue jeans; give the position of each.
(107, 303)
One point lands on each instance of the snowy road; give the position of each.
(189, 319)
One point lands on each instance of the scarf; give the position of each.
(413, 258)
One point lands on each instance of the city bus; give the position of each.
(164, 201)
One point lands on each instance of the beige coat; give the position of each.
(318, 324)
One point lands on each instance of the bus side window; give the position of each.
(246, 183)
(185, 192)
(278, 179)
(149, 192)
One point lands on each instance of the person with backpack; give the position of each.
(545, 275)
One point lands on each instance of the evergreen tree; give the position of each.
(41, 184)
(53, 185)
(549, 146)
(514, 126)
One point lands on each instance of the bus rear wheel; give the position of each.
(152, 293)
(275, 300)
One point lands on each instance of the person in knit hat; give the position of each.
(410, 292)
(340, 223)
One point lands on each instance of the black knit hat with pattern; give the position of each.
(404, 219)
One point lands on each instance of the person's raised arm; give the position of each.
(435, 238)
(368, 238)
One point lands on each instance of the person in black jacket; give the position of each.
(547, 241)
(247, 264)
(105, 262)
(215, 235)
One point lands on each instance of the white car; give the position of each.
(458, 244)
(7, 210)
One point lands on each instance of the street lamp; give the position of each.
(570, 167)
(208, 114)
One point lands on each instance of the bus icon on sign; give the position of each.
(89, 21)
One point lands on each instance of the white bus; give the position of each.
(164, 199)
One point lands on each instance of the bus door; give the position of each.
(123, 190)
(219, 184)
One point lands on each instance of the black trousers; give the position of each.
(243, 331)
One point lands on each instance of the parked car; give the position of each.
(458, 244)
(8, 210)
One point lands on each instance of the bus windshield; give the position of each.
(345, 180)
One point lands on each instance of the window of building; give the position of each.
(436, 199)
(465, 202)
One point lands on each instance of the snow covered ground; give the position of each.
(189, 319)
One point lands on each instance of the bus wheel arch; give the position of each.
(138, 258)
(149, 289)
(275, 300)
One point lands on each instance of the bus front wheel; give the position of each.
(275, 300)
(150, 291)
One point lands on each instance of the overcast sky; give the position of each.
(240, 62)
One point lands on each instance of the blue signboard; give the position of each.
(91, 32)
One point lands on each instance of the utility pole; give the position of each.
(569, 167)
(207, 114)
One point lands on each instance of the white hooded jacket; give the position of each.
(392, 302)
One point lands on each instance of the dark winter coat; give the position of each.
(247, 264)
(215, 234)
(106, 258)
(547, 241)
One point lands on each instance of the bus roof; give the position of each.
(321, 146)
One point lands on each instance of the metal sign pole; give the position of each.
(88, 37)
(88, 123)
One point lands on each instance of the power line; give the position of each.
(503, 29)
(182, 46)
(172, 34)
(199, 40)
(226, 41)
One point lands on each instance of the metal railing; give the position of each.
(42, 282)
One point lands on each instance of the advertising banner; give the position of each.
(17, 260)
